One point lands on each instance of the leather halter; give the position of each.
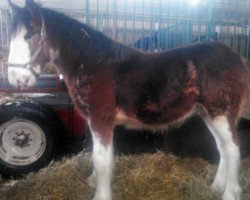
(27, 65)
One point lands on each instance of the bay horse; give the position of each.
(113, 84)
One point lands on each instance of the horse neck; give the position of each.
(92, 50)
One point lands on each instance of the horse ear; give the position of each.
(33, 9)
(30, 3)
(13, 6)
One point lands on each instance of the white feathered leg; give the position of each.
(103, 168)
(226, 179)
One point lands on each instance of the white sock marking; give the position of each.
(103, 168)
(226, 179)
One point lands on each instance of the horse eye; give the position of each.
(28, 36)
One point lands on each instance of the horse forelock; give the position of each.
(20, 18)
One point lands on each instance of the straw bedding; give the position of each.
(156, 176)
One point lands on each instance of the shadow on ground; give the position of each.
(192, 139)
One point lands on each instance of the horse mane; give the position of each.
(79, 41)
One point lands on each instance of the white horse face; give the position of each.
(28, 53)
(20, 54)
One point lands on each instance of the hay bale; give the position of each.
(139, 177)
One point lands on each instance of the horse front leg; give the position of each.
(103, 163)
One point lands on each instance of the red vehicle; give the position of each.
(32, 122)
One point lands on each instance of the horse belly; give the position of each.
(152, 117)
(128, 120)
(167, 113)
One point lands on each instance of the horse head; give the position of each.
(28, 54)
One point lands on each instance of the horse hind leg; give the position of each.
(103, 166)
(221, 174)
(226, 178)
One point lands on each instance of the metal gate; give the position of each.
(156, 25)
(5, 16)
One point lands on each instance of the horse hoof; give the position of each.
(103, 195)
(218, 187)
(101, 198)
(232, 194)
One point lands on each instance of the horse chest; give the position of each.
(79, 90)
(82, 92)
(93, 94)
(81, 97)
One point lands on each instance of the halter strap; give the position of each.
(42, 43)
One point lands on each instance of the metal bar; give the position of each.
(107, 17)
(168, 34)
(115, 19)
(230, 40)
(133, 22)
(243, 33)
(7, 28)
(142, 44)
(209, 20)
(125, 23)
(151, 26)
(97, 15)
(185, 25)
(1, 27)
(248, 42)
(159, 30)
(87, 11)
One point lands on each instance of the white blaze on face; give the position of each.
(20, 54)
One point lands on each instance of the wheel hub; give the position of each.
(22, 142)
(22, 139)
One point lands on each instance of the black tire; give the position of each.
(27, 138)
